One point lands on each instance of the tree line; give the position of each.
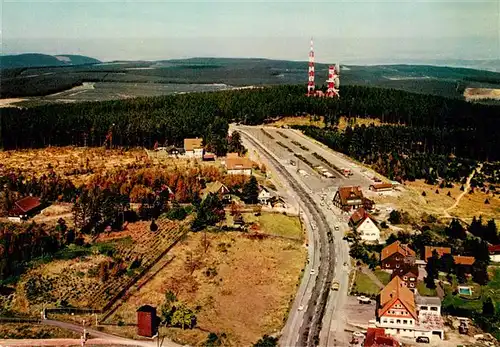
(170, 119)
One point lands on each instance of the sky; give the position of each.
(347, 31)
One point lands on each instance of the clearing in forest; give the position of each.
(473, 94)
(242, 286)
(411, 200)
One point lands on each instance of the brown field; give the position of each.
(76, 163)
(34, 331)
(79, 164)
(303, 120)
(471, 94)
(249, 296)
(308, 120)
(410, 199)
(78, 281)
(343, 122)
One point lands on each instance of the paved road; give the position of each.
(321, 322)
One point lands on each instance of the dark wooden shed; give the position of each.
(146, 321)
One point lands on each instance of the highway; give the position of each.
(316, 317)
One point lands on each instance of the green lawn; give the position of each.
(424, 291)
(273, 223)
(364, 285)
(383, 276)
(281, 225)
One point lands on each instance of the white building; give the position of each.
(264, 196)
(238, 166)
(368, 231)
(364, 225)
(193, 148)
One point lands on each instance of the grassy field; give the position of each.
(34, 331)
(383, 276)
(247, 294)
(276, 224)
(364, 285)
(410, 199)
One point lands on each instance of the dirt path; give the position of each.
(466, 190)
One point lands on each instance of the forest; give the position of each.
(449, 125)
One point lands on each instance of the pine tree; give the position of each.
(251, 191)
(432, 268)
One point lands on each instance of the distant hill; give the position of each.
(43, 60)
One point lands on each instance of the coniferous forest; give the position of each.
(432, 124)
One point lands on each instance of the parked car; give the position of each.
(313, 272)
(364, 300)
(300, 308)
(422, 339)
(335, 285)
(337, 228)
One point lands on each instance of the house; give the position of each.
(381, 187)
(208, 157)
(409, 274)
(428, 250)
(173, 151)
(397, 311)
(216, 188)
(24, 208)
(397, 255)
(365, 225)
(494, 251)
(430, 323)
(193, 147)
(278, 202)
(348, 198)
(238, 166)
(264, 196)
(464, 261)
(376, 337)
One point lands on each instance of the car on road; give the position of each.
(292, 163)
(313, 272)
(300, 308)
(335, 285)
(337, 228)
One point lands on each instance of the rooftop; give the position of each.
(25, 205)
(376, 337)
(350, 193)
(397, 247)
(397, 291)
(191, 144)
(427, 300)
(440, 250)
(381, 185)
(238, 163)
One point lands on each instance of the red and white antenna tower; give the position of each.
(333, 82)
(310, 83)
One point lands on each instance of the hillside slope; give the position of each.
(43, 60)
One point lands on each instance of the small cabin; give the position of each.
(24, 209)
(146, 321)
